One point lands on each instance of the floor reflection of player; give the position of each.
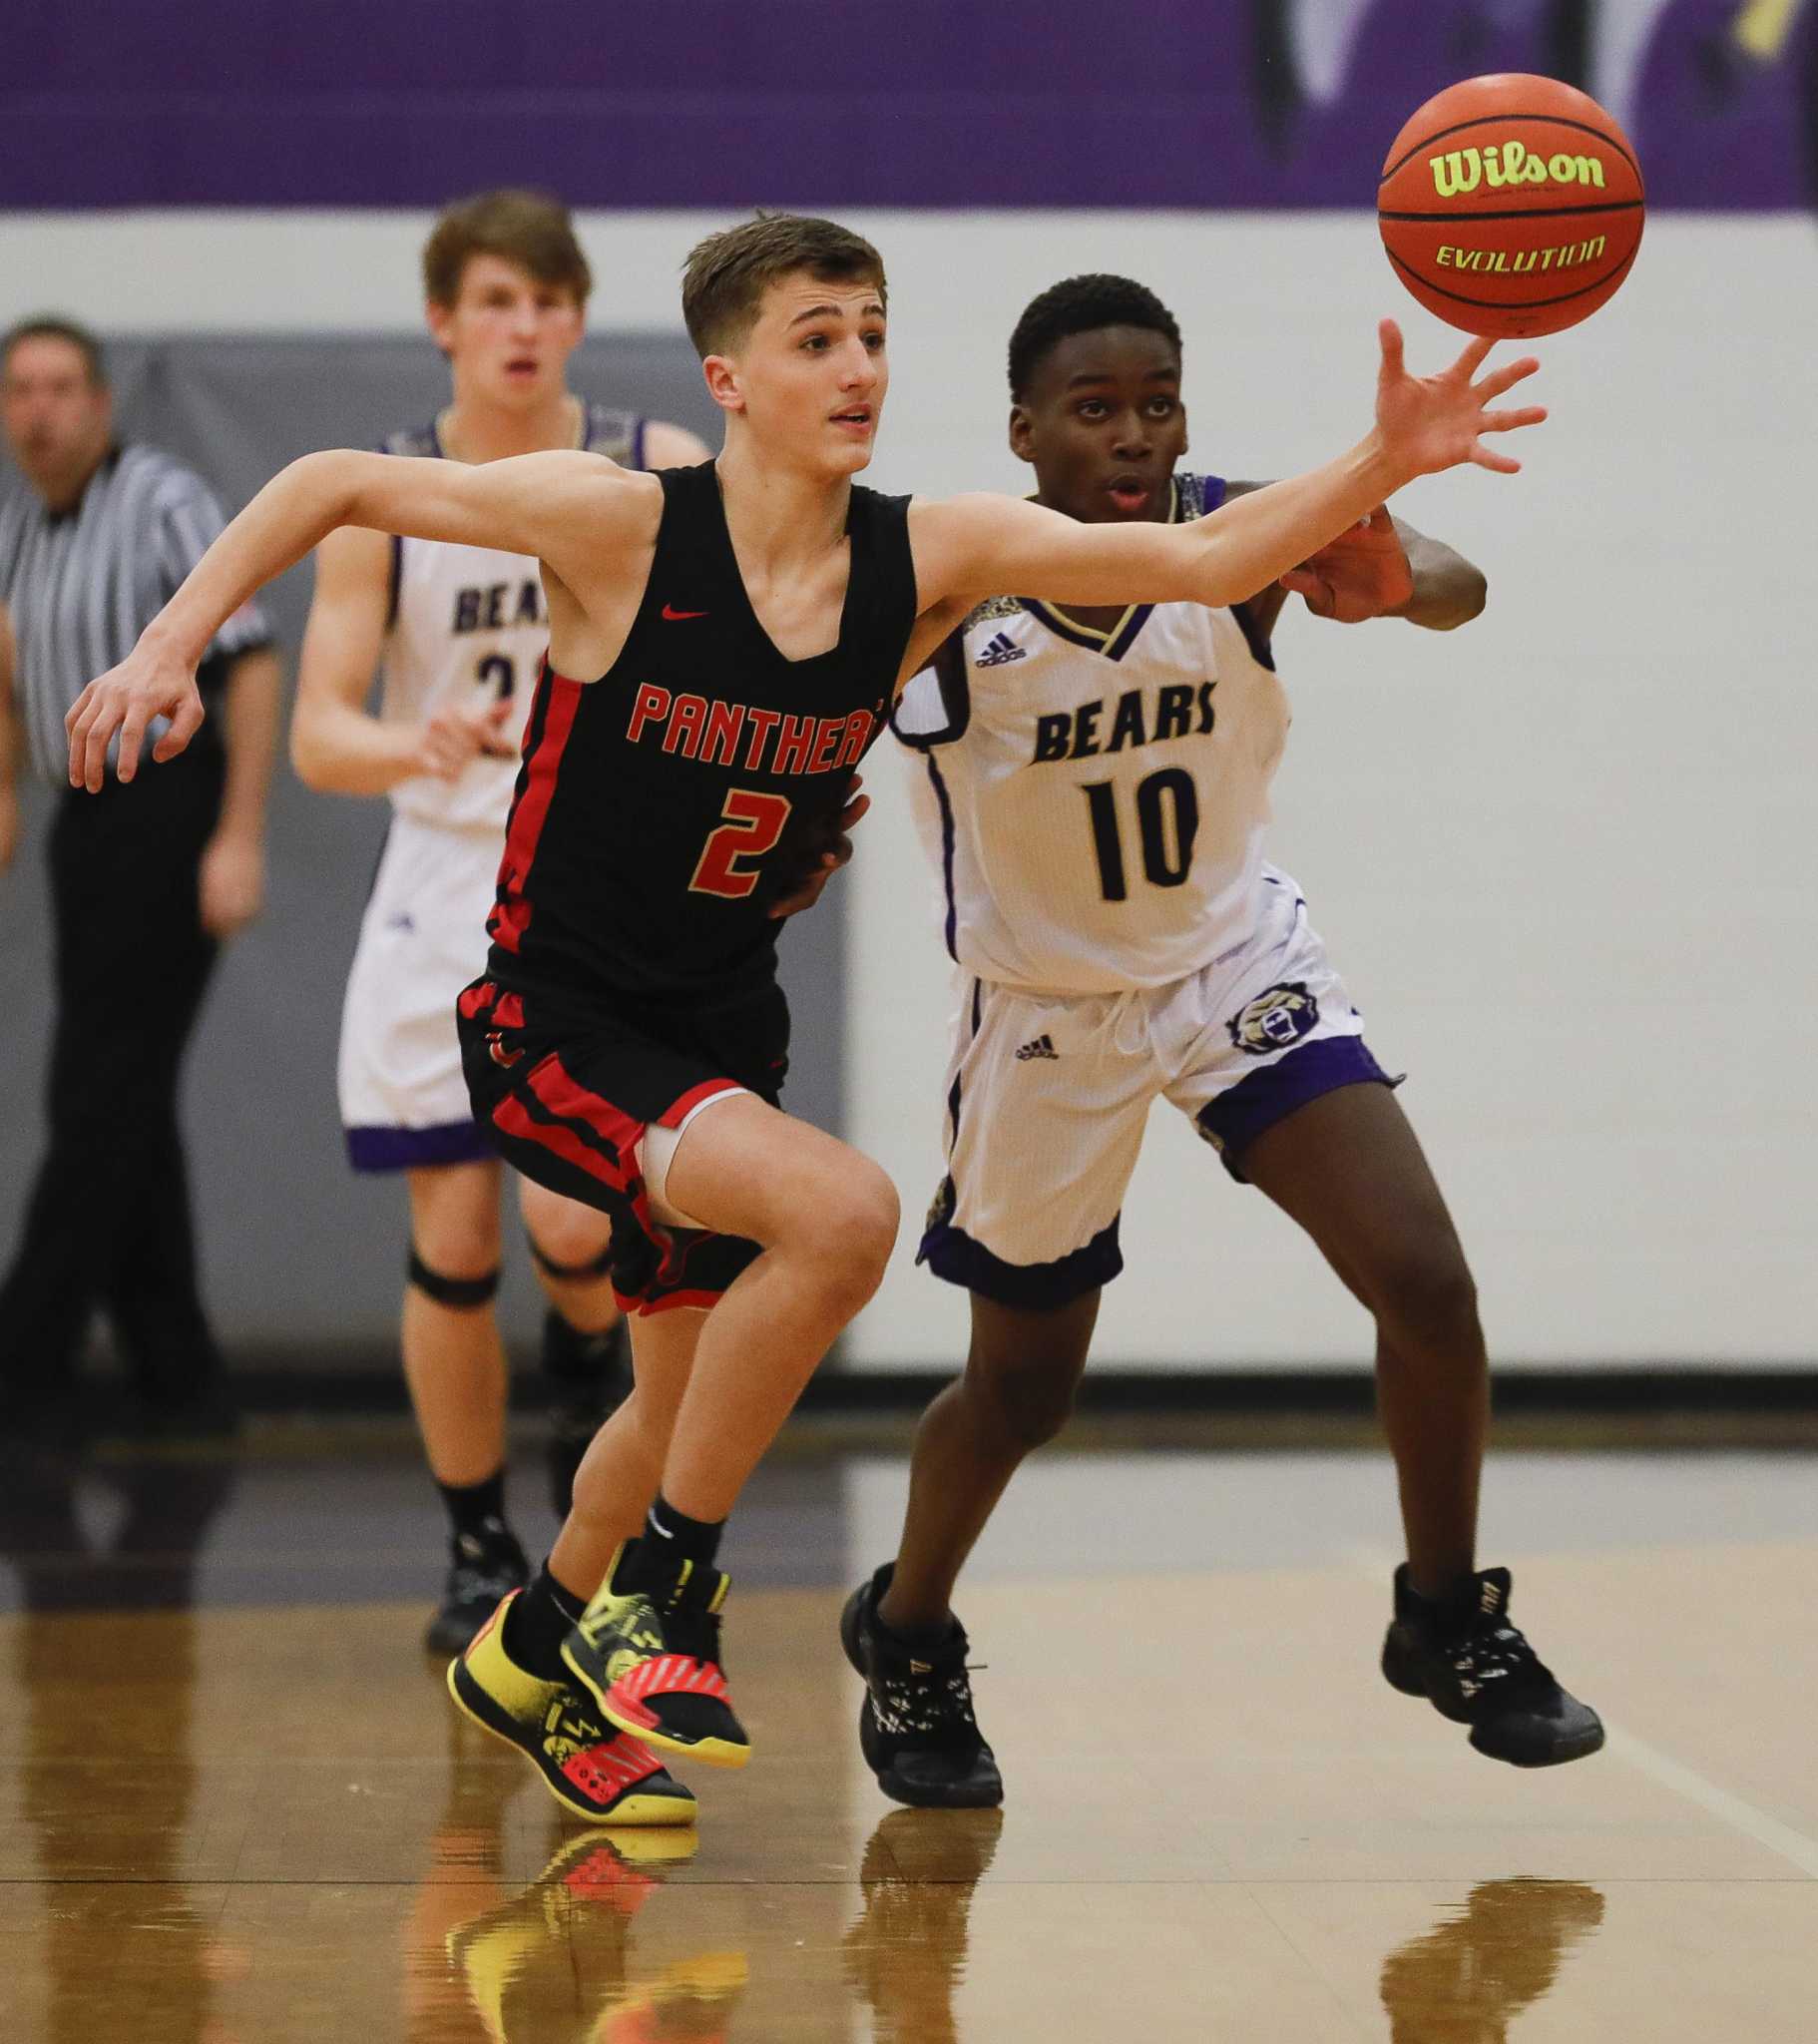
(559, 1962)
(906, 1953)
(68, 1666)
(1466, 1981)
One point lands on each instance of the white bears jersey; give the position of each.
(469, 624)
(1094, 802)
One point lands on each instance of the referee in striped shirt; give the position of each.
(145, 882)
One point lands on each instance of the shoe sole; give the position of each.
(631, 1810)
(711, 1752)
(911, 1797)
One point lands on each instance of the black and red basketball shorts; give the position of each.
(565, 1091)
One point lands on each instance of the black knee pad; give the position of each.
(570, 1274)
(455, 1292)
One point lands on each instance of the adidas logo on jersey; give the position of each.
(1000, 651)
(1041, 1047)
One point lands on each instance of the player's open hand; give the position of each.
(453, 738)
(150, 682)
(828, 861)
(1363, 573)
(1429, 423)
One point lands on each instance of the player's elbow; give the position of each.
(312, 760)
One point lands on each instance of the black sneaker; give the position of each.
(589, 1377)
(1475, 1668)
(482, 1569)
(916, 1726)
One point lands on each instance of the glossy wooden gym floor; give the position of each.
(237, 1805)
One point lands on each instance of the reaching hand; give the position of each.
(807, 890)
(454, 736)
(1363, 573)
(148, 683)
(1429, 423)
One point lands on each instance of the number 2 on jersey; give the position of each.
(1164, 799)
(755, 824)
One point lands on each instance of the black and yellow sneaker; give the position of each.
(916, 1726)
(482, 1568)
(1475, 1668)
(590, 1767)
(589, 1377)
(650, 1656)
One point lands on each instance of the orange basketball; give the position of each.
(1511, 205)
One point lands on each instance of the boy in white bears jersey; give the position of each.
(459, 632)
(1093, 789)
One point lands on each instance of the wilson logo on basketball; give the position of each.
(1509, 163)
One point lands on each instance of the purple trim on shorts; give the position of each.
(952, 1253)
(1234, 1120)
(379, 1149)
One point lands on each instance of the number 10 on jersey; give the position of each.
(1167, 821)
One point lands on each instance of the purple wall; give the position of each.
(728, 103)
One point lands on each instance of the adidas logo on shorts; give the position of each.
(1000, 651)
(1041, 1047)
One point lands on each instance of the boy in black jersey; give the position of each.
(725, 644)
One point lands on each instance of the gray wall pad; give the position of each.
(299, 1252)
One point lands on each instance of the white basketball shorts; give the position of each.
(422, 940)
(1048, 1095)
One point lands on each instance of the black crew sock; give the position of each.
(539, 1620)
(476, 1510)
(669, 1539)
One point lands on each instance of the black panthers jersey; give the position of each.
(659, 808)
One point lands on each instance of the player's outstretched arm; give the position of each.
(561, 507)
(983, 546)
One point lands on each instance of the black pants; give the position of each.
(109, 1222)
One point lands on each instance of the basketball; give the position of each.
(1511, 205)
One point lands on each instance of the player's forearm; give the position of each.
(1247, 543)
(337, 750)
(1447, 590)
(250, 730)
(295, 512)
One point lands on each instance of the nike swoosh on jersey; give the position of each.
(672, 614)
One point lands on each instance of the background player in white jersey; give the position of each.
(1092, 788)
(460, 631)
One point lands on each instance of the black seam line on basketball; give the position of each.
(1521, 213)
(1516, 304)
(1493, 119)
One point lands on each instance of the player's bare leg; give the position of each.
(454, 1364)
(621, 1472)
(648, 1646)
(1348, 1168)
(1021, 1372)
(584, 1360)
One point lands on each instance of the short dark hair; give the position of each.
(727, 275)
(1082, 305)
(531, 229)
(53, 326)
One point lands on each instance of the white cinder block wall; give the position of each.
(1564, 856)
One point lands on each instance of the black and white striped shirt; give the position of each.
(79, 586)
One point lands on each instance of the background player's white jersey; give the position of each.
(468, 625)
(1094, 802)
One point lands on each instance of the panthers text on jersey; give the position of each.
(469, 624)
(1094, 802)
